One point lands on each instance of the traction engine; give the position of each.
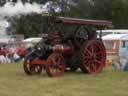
(68, 43)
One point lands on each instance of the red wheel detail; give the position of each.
(31, 69)
(55, 65)
(94, 56)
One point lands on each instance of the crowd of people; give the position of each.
(11, 55)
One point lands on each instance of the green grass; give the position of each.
(14, 82)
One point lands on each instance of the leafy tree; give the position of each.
(102, 10)
(30, 25)
(114, 10)
(92, 9)
(82, 9)
(120, 13)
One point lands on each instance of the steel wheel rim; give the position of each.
(94, 55)
(31, 68)
(28, 67)
(56, 65)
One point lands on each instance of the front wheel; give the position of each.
(31, 69)
(55, 65)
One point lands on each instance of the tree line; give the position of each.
(112, 10)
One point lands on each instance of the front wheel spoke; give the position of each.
(59, 60)
(53, 61)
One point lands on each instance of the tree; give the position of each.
(82, 9)
(120, 13)
(92, 9)
(113, 10)
(30, 25)
(102, 10)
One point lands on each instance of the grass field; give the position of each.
(14, 82)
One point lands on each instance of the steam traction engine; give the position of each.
(68, 43)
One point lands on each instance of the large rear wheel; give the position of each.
(93, 56)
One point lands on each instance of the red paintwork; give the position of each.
(55, 65)
(62, 49)
(31, 69)
(84, 21)
(39, 62)
(61, 45)
(68, 51)
(94, 57)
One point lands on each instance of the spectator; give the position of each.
(2, 56)
(16, 57)
(121, 64)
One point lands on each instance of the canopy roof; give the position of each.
(84, 21)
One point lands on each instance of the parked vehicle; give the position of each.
(69, 43)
